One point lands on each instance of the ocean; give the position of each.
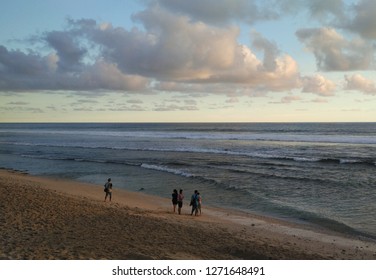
(322, 174)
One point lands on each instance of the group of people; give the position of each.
(177, 200)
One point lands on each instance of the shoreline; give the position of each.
(51, 218)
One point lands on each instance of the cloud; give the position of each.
(319, 100)
(175, 107)
(127, 108)
(135, 101)
(87, 101)
(335, 53)
(316, 9)
(19, 108)
(319, 85)
(104, 75)
(20, 70)
(232, 100)
(176, 48)
(33, 71)
(360, 83)
(270, 50)
(169, 50)
(356, 17)
(68, 51)
(190, 102)
(18, 103)
(323, 9)
(288, 99)
(251, 11)
(221, 11)
(364, 21)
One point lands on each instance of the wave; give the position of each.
(166, 169)
(53, 157)
(182, 172)
(282, 136)
(315, 218)
(364, 161)
(161, 168)
(143, 165)
(256, 154)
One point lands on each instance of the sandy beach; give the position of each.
(44, 218)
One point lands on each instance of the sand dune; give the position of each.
(43, 218)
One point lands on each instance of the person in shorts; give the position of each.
(108, 189)
(199, 201)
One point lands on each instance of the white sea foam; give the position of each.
(305, 159)
(344, 161)
(166, 169)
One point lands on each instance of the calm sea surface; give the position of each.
(318, 173)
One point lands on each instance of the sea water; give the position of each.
(317, 173)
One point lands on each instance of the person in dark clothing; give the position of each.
(174, 199)
(194, 203)
(108, 189)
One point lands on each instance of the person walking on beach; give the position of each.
(180, 200)
(194, 203)
(199, 200)
(174, 199)
(108, 189)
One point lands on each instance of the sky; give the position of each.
(188, 61)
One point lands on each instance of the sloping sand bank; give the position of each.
(44, 218)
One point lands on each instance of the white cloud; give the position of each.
(318, 84)
(360, 83)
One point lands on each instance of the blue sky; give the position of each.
(181, 61)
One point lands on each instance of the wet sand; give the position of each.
(44, 218)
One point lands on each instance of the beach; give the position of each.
(55, 219)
